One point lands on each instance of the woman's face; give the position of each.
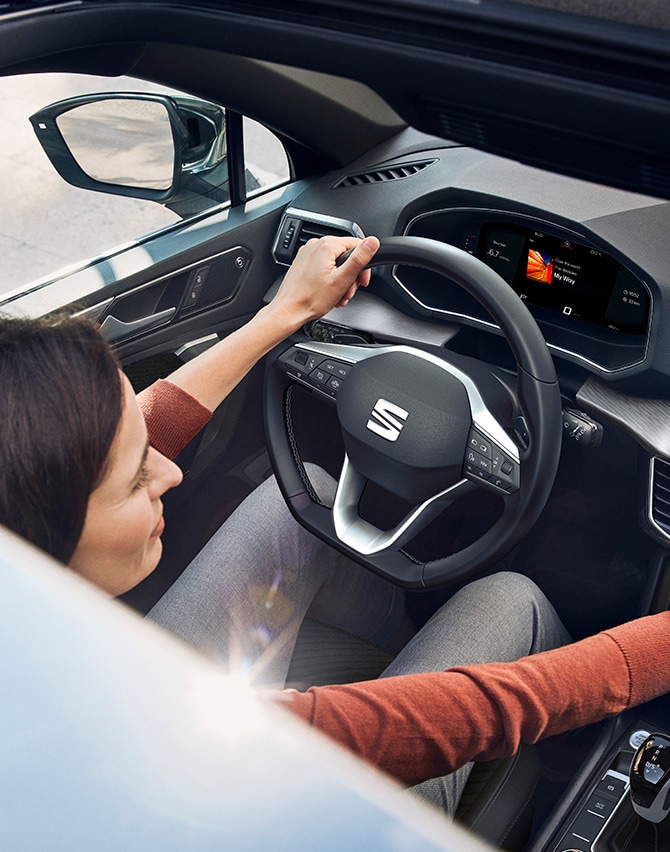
(120, 543)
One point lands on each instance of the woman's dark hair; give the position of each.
(60, 405)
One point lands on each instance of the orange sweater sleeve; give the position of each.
(420, 726)
(173, 417)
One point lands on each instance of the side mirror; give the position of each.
(171, 150)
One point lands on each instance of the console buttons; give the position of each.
(601, 806)
(300, 357)
(594, 814)
(611, 786)
(588, 826)
(638, 738)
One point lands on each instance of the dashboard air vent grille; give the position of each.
(397, 172)
(660, 496)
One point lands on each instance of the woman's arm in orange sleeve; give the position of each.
(416, 727)
(173, 416)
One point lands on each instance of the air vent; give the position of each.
(398, 172)
(299, 226)
(654, 180)
(660, 497)
(463, 128)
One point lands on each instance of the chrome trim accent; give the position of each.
(206, 341)
(95, 311)
(41, 10)
(482, 419)
(362, 536)
(527, 221)
(318, 219)
(552, 346)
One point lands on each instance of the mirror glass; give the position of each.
(122, 141)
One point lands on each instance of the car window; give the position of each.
(47, 225)
(266, 161)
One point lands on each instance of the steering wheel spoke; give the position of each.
(367, 539)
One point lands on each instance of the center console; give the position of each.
(596, 812)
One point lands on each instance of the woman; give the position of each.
(82, 473)
(64, 399)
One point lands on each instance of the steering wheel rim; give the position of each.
(538, 398)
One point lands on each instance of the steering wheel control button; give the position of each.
(319, 376)
(480, 444)
(484, 461)
(336, 368)
(324, 374)
(477, 473)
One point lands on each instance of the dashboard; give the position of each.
(591, 263)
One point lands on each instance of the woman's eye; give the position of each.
(143, 480)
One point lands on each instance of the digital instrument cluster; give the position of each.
(572, 279)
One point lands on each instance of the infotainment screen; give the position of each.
(567, 277)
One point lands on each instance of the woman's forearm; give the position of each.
(313, 286)
(416, 727)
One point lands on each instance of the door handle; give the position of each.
(114, 329)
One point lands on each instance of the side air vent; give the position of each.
(398, 172)
(299, 226)
(659, 498)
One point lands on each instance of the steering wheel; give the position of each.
(426, 425)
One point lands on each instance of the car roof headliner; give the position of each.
(584, 96)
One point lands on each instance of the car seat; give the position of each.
(497, 802)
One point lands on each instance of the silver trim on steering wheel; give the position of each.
(364, 537)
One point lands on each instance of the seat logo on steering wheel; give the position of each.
(387, 419)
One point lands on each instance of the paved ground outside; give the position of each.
(47, 225)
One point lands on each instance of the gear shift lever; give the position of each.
(650, 778)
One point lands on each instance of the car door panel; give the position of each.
(142, 295)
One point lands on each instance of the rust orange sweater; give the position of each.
(416, 727)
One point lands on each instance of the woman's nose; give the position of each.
(165, 473)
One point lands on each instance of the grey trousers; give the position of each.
(243, 598)
(495, 619)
